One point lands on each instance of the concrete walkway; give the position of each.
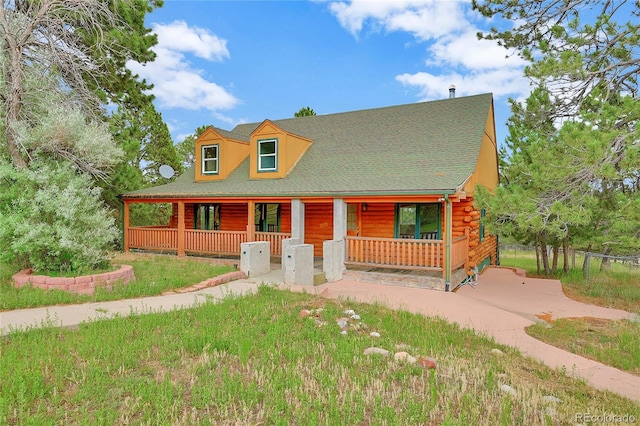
(500, 306)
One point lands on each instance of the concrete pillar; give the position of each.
(297, 219)
(298, 264)
(286, 243)
(333, 259)
(339, 219)
(255, 258)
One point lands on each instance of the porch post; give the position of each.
(297, 220)
(339, 219)
(125, 226)
(181, 228)
(251, 221)
(447, 255)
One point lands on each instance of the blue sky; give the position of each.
(231, 62)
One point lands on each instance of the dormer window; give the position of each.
(268, 155)
(210, 159)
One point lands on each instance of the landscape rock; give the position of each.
(496, 351)
(355, 317)
(404, 357)
(305, 313)
(508, 389)
(349, 312)
(374, 334)
(343, 332)
(427, 362)
(342, 322)
(551, 398)
(376, 351)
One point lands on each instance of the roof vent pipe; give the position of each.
(452, 91)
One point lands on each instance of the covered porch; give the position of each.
(443, 259)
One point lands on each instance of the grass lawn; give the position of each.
(618, 288)
(614, 343)
(155, 274)
(255, 360)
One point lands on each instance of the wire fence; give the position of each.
(589, 262)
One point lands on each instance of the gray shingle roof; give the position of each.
(232, 135)
(427, 147)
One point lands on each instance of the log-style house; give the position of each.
(396, 184)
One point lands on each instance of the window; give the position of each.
(210, 159)
(268, 155)
(267, 217)
(206, 216)
(352, 218)
(483, 213)
(418, 221)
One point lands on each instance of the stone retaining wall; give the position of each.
(85, 284)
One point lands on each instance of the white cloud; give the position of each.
(425, 19)
(177, 83)
(472, 65)
(467, 51)
(178, 36)
(500, 82)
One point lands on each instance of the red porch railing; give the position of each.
(275, 238)
(200, 241)
(395, 253)
(152, 238)
(459, 252)
(214, 242)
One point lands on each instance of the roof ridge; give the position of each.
(364, 110)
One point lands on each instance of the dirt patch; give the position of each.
(546, 317)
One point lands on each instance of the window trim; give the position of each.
(274, 155)
(215, 159)
(438, 207)
(481, 228)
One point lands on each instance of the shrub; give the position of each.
(52, 219)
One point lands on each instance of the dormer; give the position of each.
(275, 151)
(218, 153)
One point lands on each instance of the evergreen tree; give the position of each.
(570, 166)
(304, 112)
